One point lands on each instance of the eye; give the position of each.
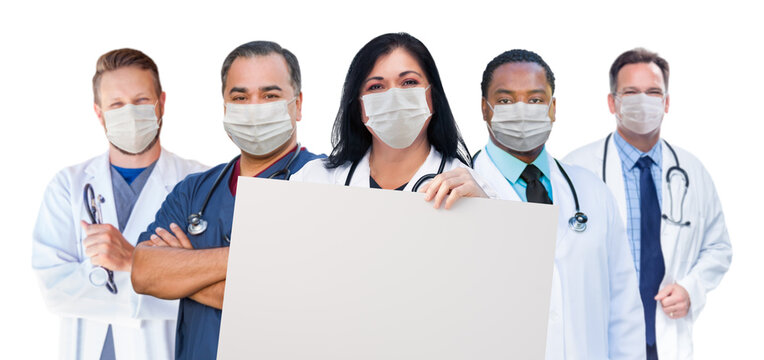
(410, 83)
(373, 87)
(629, 92)
(142, 100)
(116, 105)
(271, 96)
(504, 101)
(657, 93)
(238, 98)
(536, 101)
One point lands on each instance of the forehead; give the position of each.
(258, 71)
(397, 61)
(640, 75)
(126, 81)
(519, 76)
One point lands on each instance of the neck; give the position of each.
(252, 165)
(642, 142)
(391, 167)
(134, 161)
(524, 156)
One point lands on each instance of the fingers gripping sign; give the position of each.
(451, 186)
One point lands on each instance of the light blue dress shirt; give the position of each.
(511, 167)
(629, 156)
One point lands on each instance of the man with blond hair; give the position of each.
(91, 216)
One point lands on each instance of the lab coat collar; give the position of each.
(484, 166)
(362, 171)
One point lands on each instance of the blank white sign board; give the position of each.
(332, 272)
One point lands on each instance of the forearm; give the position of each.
(211, 296)
(174, 273)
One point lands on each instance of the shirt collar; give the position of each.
(630, 154)
(511, 167)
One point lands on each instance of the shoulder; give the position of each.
(316, 170)
(584, 180)
(586, 153)
(195, 181)
(71, 175)
(305, 157)
(180, 165)
(689, 163)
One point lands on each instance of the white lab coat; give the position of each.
(696, 256)
(143, 326)
(315, 171)
(595, 310)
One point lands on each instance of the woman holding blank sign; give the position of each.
(394, 128)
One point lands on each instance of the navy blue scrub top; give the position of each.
(198, 325)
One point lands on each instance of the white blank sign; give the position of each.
(332, 272)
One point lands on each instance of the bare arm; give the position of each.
(170, 272)
(211, 296)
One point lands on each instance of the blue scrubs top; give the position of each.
(198, 325)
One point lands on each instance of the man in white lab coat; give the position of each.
(675, 223)
(101, 316)
(595, 311)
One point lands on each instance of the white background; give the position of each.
(49, 52)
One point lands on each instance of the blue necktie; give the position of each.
(651, 263)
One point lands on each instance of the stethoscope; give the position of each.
(99, 276)
(417, 184)
(196, 223)
(675, 170)
(578, 221)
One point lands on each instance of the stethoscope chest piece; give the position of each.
(196, 225)
(578, 221)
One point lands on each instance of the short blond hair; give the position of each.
(120, 58)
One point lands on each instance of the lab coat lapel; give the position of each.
(98, 174)
(158, 185)
(669, 232)
(614, 177)
(361, 174)
(430, 166)
(491, 174)
(563, 198)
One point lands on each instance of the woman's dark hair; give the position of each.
(350, 137)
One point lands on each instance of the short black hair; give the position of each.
(515, 56)
(635, 56)
(262, 48)
(350, 137)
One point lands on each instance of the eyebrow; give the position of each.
(505, 91)
(409, 72)
(238, 89)
(399, 75)
(270, 87)
(373, 78)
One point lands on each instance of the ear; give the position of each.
(487, 113)
(668, 98)
(553, 110)
(298, 107)
(160, 106)
(99, 114)
(611, 103)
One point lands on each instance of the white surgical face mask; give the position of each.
(397, 115)
(259, 129)
(520, 126)
(640, 113)
(131, 127)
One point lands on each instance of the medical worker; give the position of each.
(395, 129)
(595, 312)
(674, 220)
(182, 257)
(101, 316)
